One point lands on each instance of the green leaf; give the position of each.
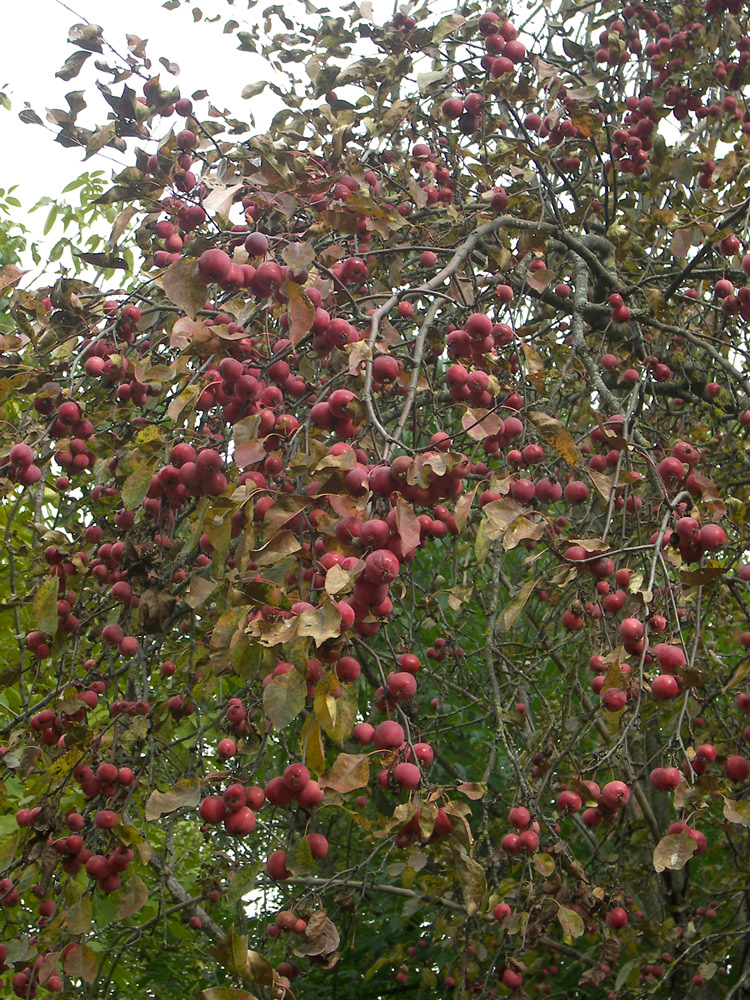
(284, 698)
(136, 486)
(45, 605)
(72, 65)
(8, 849)
(572, 924)
(473, 882)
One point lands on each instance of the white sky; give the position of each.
(33, 46)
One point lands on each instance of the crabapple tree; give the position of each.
(375, 519)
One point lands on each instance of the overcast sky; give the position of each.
(33, 46)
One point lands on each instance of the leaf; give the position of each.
(508, 615)
(311, 749)
(336, 715)
(226, 993)
(682, 241)
(10, 275)
(299, 859)
(737, 811)
(86, 36)
(81, 962)
(185, 794)
(349, 771)
(243, 881)
(72, 65)
(136, 486)
(586, 122)
(500, 514)
(301, 312)
(155, 609)
(219, 201)
(572, 924)
(183, 285)
(78, 917)
(30, 117)
(556, 434)
(338, 579)
(319, 623)
(104, 260)
(284, 698)
(199, 591)
(520, 530)
(674, 851)
(130, 898)
(697, 577)
(321, 936)
(544, 863)
(480, 423)
(45, 605)
(473, 882)
(602, 483)
(407, 526)
(463, 508)
(533, 359)
(299, 256)
(446, 26)
(473, 790)
(235, 956)
(8, 848)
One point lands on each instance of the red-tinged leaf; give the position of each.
(183, 285)
(539, 280)
(407, 525)
(81, 963)
(130, 898)
(301, 312)
(474, 790)
(185, 794)
(463, 508)
(10, 275)
(248, 449)
(78, 917)
(284, 698)
(349, 771)
(480, 424)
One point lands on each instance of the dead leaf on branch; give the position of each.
(321, 936)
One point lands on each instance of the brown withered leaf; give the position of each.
(155, 608)
(321, 936)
